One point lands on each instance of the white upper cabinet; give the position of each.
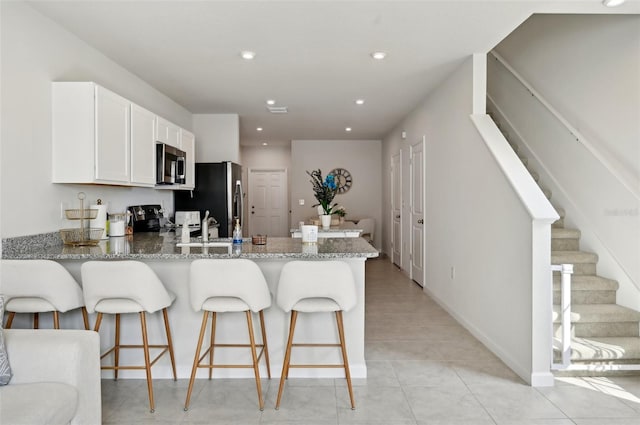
(100, 137)
(90, 134)
(143, 146)
(188, 143)
(167, 132)
(112, 137)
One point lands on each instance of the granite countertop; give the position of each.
(162, 246)
(332, 230)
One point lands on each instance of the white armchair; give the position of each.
(56, 377)
(368, 226)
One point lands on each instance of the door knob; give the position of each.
(253, 212)
(421, 221)
(398, 216)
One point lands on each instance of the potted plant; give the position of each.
(324, 190)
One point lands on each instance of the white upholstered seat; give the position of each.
(118, 287)
(228, 285)
(39, 286)
(316, 286)
(368, 226)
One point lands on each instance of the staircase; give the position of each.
(603, 333)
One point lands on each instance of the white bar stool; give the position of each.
(311, 287)
(40, 286)
(120, 287)
(228, 285)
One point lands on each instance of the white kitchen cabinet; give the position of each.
(143, 146)
(188, 143)
(167, 132)
(91, 139)
(99, 137)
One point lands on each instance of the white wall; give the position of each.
(36, 51)
(569, 59)
(264, 157)
(217, 137)
(474, 222)
(363, 160)
(587, 67)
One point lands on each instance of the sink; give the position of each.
(206, 245)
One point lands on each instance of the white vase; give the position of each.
(326, 221)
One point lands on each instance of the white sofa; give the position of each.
(56, 377)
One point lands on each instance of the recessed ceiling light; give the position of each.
(259, 129)
(271, 102)
(359, 101)
(347, 129)
(264, 143)
(612, 3)
(247, 54)
(378, 55)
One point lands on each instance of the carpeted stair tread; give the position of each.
(573, 257)
(605, 348)
(564, 233)
(598, 313)
(587, 283)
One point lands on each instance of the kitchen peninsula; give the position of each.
(171, 264)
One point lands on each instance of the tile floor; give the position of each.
(424, 368)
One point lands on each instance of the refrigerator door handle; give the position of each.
(238, 201)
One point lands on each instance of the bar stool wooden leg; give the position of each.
(264, 342)
(98, 321)
(116, 353)
(287, 357)
(212, 341)
(256, 370)
(147, 362)
(343, 347)
(85, 318)
(56, 320)
(169, 342)
(294, 318)
(196, 359)
(36, 317)
(10, 317)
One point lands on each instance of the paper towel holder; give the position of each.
(101, 219)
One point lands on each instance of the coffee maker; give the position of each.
(147, 218)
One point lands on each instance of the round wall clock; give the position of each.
(343, 179)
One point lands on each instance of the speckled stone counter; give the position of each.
(171, 264)
(162, 246)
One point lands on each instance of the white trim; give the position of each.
(479, 83)
(528, 191)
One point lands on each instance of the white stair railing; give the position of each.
(566, 270)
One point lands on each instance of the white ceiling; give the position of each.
(311, 56)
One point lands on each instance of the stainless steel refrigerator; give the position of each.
(218, 189)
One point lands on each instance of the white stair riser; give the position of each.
(565, 244)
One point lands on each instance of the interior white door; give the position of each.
(268, 207)
(417, 211)
(405, 210)
(396, 202)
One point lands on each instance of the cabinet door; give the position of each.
(112, 137)
(187, 141)
(143, 146)
(162, 130)
(168, 132)
(173, 136)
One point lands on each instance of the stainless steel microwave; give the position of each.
(170, 165)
